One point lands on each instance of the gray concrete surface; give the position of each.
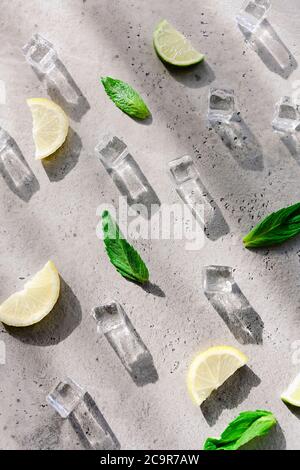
(111, 37)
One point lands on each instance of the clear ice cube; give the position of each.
(273, 52)
(111, 151)
(42, 56)
(126, 173)
(92, 427)
(189, 188)
(287, 117)
(116, 326)
(221, 104)
(217, 279)
(13, 166)
(40, 53)
(228, 300)
(183, 169)
(4, 139)
(253, 13)
(71, 401)
(65, 397)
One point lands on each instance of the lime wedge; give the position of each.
(172, 47)
(210, 369)
(292, 393)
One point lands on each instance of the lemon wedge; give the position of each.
(210, 369)
(292, 393)
(50, 126)
(35, 301)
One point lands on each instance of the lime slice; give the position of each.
(35, 301)
(292, 393)
(212, 368)
(50, 126)
(172, 47)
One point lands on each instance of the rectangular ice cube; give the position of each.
(116, 326)
(71, 401)
(42, 56)
(188, 186)
(125, 172)
(253, 13)
(221, 104)
(217, 279)
(272, 50)
(92, 427)
(4, 139)
(12, 163)
(40, 53)
(65, 397)
(231, 304)
(111, 151)
(126, 175)
(287, 116)
(183, 169)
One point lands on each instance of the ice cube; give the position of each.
(40, 53)
(231, 304)
(12, 162)
(217, 279)
(92, 427)
(287, 117)
(111, 151)
(42, 56)
(4, 139)
(109, 317)
(183, 169)
(65, 397)
(221, 104)
(126, 174)
(253, 13)
(71, 401)
(189, 188)
(116, 326)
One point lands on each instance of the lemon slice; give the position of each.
(35, 301)
(292, 393)
(212, 368)
(173, 47)
(50, 126)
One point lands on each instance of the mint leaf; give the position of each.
(122, 255)
(247, 426)
(276, 228)
(125, 97)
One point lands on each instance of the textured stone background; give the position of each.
(111, 37)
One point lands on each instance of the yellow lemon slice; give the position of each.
(35, 301)
(292, 393)
(212, 368)
(50, 126)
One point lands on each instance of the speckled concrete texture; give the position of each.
(58, 222)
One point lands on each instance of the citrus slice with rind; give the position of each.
(292, 394)
(173, 47)
(210, 369)
(50, 126)
(35, 301)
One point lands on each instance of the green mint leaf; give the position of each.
(276, 228)
(125, 97)
(122, 255)
(247, 426)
